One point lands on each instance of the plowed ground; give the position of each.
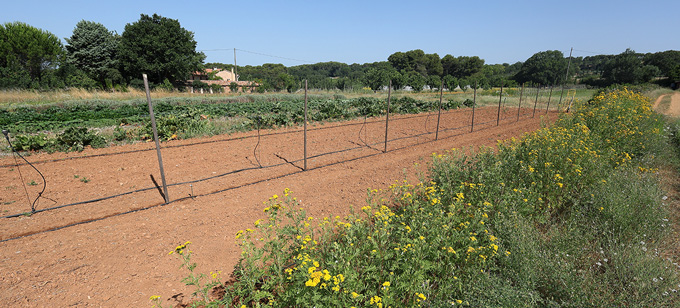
(114, 252)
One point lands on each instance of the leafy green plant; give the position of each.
(32, 142)
(77, 138)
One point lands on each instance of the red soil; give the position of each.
(113, 258)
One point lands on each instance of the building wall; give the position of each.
(227, 75)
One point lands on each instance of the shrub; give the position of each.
(32, 142)
(77, 138)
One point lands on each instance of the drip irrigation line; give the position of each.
(33, 205)
(426, 120)
(362, 128)
(258, 143)
(233, 187)
(233, 171)
(209, 141)
(21, 178)
(86, 221)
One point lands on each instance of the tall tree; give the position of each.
(450, 82)
(416, 61)
(462, 66)
(159, 47)
(545, 67)
(434, 82)
(666, 61)
(624, 68)
(92, 49)
(376, 78)
(26, 54)
(415, 81)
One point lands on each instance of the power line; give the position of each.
(593, 52)
(259, 53)
(219, 49)
(266, 55)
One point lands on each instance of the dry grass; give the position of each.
(9, 98)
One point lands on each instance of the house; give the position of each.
(224, 79)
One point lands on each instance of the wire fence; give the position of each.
(247, 158)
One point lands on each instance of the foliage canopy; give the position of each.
(159, 47)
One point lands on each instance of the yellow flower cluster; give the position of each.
(180, 249)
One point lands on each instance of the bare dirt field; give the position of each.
(106, 241)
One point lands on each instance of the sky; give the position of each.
(297, 32)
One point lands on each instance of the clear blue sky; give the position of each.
(368, 31)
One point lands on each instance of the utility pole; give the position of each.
(235, 70)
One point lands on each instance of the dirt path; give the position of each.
(114, 252)
(673, 109)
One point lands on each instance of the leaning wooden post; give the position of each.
(155, 138)
(519, 107)
(441, 96)
(305, 167)
(536, 101)
(474, 102)
(387, 120)
(500, 100)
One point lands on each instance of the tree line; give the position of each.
(97, 58)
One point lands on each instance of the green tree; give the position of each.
(26, 55)
(376, 78)
(462, 66)
(545, 67)
(285, 82)
(624, 68)
(448, 63)
(666, 61)
(415, 81)
(398, 80)
(468, 66)
(450, 82)
(416, 61)
(233, 87)
(92, 49)
(159, 47)
(434, 82)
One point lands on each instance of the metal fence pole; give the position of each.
(549, 97)
(538, 89)
(474, 103)
(519, 107)
(387, 120)
(155, 138)
(441, 96)
(305, 167)
(500, 100)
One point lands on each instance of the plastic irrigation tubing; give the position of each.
(139, 190)
(226, 189)
(209, 141)
(172, 146)
(83, 222)
(228, 173)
